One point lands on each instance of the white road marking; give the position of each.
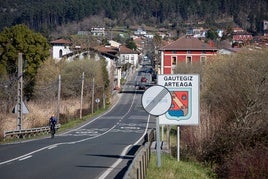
(117, 162)
(52, 147)
(29, 156)
(123, 153)
(107, 172)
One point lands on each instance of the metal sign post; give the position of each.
(158, 154)
(156, 100)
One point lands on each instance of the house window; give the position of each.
(174, 61)
(188, 60)
(60, 53)
(123, 59)
(202, 60)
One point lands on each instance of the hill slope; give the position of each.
(45, 15)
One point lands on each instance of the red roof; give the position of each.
(187, 43)
(125, 50)
(106, 49)
(60, 41)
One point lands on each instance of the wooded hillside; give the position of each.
(46, 15)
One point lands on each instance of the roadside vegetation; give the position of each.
(171, 169)
(45, 80)
(44, 100)
(231, 138)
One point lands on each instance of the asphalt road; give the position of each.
(102, 148)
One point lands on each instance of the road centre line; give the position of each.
(29, 156)
(68, 143)
(53, 146)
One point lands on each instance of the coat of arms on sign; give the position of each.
(181, 105)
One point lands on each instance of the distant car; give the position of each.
(143, 79)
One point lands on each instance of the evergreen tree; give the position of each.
(131, 44)
(33, 46)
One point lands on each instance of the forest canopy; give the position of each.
(46, 15)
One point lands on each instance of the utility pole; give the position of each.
(82, 92)
(58, 102)
(103, 96)
(92, 102)
(20, 93)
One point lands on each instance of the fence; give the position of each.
(139, 165)
(28, 132)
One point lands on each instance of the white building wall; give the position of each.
(56, 51)
(129, 58)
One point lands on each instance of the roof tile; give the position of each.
(187, 43)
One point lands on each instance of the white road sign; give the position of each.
(156, 100)
(23, 107)
(184, 89)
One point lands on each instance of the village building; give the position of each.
(98, 31)
(60, 48)
(241, 37)
(187, 50)
(127, 55)
(114, 43)
(140, 32)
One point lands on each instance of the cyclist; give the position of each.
(52, 124)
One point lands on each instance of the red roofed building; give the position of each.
(186, 49)
(127, 55)
(60, 48)
(242, 37)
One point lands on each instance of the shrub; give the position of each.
(233, 127)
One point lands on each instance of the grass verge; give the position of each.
(172, 169)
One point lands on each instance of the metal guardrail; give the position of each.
(28, 132)
(139, 165)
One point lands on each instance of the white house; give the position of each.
(60, 48)
(114, 43)
(139, 31)
(98, 31)
(127, 55)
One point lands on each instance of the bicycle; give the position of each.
(52, 130)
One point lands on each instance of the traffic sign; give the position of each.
(23, 107)
(185, 107)
(156, 100)
(97, 100)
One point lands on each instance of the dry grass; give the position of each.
(39, 114)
